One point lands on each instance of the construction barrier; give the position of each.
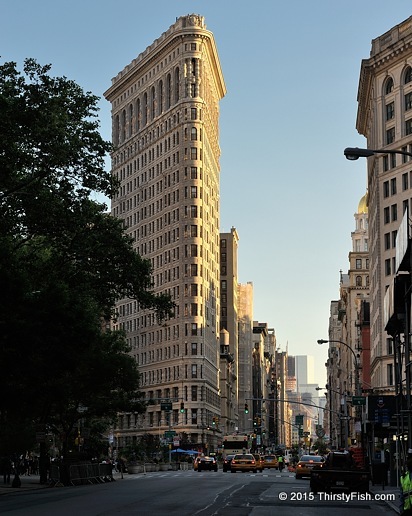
(69, 474)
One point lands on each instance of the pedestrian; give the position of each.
(280, 462)
(6, 466)
(406, 489)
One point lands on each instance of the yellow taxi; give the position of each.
(259, 462)
(270, 461)
(243, 462)
(306, 463)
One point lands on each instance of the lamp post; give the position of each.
(353, 153)
(357, 375)
(345, 417)
(357, 382)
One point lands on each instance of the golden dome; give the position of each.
(363, 204)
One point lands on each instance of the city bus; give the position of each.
(235, 443)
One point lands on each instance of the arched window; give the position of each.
(144, 110)
(388, 85)
(358, 281)
(408, 75)
(193, 133)
(168, 91)
(160, 97)
(138, 115)
(177, 84)
(130, 120)
(152, 104)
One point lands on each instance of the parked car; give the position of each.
(270, 461)
(226, 462)
(306, 464)
(207, 463)
(259, 462)
(243, 462)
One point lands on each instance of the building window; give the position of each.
(194, 370)
(389, 369)
(390, 110)
(193, 133)
(394, 209)
(385, 163)
(393, 186)
(358, 281)
(408, 101)
(193, 113)
(193, 289)
(390, 136)
(193, 153)
(405, 181)
(389, 86)
(194, 416)
(386, 189)
(389, 346)
(387, 267)
(194, 392)
(386, 217)
(194, 348)
(223, 270)
(193, 231)
(408, 75)
(394, 233)
(408, 126)
(193, 192)
(223, 284)
(387, 241)
(194, 328)
(393, 160)
(358, 263)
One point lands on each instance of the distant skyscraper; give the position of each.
(304, 369)
(165, 114)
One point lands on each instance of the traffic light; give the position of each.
(246, 408)
(255, 422)
(259, 421)
(214, 421)
(182, 407)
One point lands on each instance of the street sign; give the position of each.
(166, 405)
(299, 419)
(169, 433)
(358, 400)
(320, 432)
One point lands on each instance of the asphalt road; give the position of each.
(188, 493)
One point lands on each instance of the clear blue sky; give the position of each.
(291, 71)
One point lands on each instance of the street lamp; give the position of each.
(332, 419)
(357, 379)
(354, 153)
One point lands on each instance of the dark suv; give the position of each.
(205, 463)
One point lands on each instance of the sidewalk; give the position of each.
(32, 482)
(28, 482)
(385, 491)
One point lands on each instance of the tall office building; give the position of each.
(385, 118)
(165, 115)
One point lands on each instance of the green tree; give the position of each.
(64, 261)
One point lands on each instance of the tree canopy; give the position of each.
(64, 261)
